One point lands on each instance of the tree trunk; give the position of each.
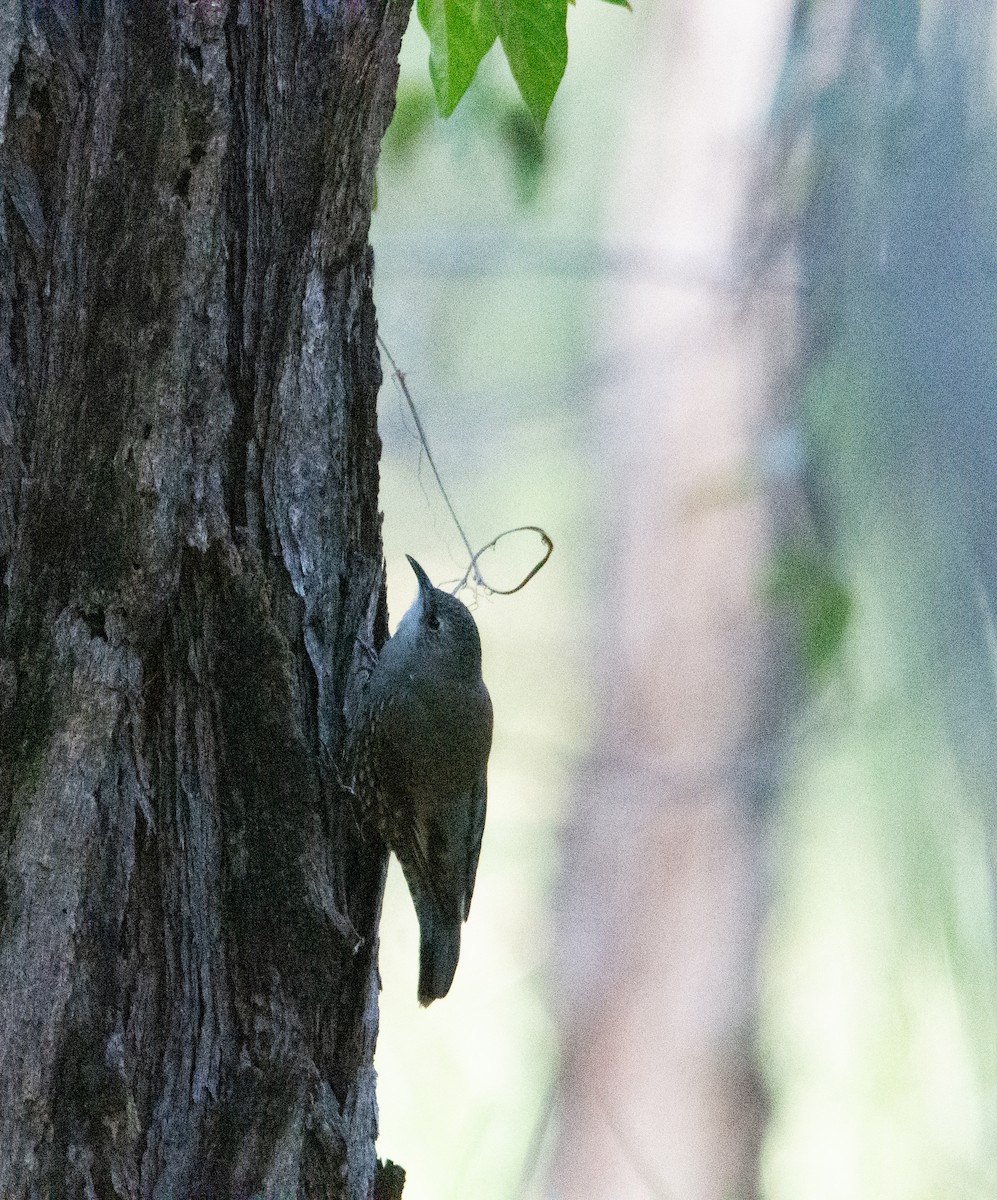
(190, 560)
(664, 884)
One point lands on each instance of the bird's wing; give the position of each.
(394, 732)
(479, 800)
(427, 876)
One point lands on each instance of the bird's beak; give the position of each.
(425, 583)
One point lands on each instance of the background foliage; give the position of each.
(880, 973)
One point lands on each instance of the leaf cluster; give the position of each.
(495, 115)
(533, 34)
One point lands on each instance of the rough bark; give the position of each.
(190, 557)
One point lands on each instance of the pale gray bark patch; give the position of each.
(50, 867)
(11, 20)
(361, 1101)
(305, 467)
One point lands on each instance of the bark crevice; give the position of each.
(189, 553)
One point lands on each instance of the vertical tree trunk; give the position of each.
(190, 556)
(664, 885)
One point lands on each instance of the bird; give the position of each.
(424, 733)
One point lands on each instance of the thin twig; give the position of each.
(403, 386)
(473, 569)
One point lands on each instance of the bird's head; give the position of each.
(441, 625)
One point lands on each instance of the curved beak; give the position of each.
(425, 583)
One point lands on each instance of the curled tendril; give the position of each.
(473, 568)
(479, 579)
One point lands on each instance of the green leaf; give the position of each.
(803, 581)
(534, 36)
(415, 111)
(527, 149)
(621, 3)
(461, 33)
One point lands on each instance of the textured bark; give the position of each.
(190, 556)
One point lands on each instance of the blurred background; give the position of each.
(728, 331)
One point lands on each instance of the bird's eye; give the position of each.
(433, 621)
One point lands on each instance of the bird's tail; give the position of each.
(439, 949)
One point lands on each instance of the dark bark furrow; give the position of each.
(189, 549)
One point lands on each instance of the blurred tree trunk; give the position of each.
(189, 550)
(665, 863)
(889, 110)
(897, 244)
